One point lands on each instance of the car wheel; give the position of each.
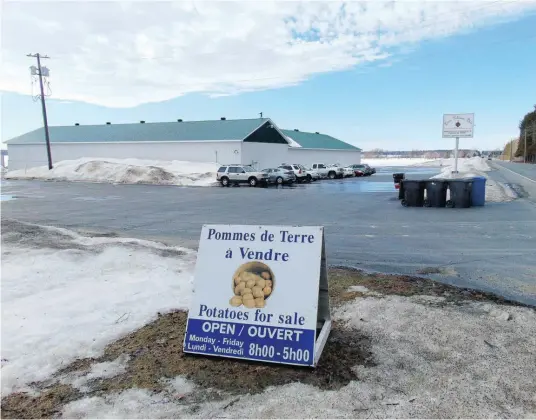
(252, 181)
(332, 175)
(450, 204)
(309, 178)
(224, 181)
(279, 181)
(404, 203)
(427, 203)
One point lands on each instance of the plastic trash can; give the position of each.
(460, 193)
(413, 193)
(478, 193)
(436, 193)
(397, 179)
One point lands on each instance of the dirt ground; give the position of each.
(155, 352)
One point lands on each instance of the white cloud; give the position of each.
(123, 54)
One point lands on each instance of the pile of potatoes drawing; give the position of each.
(252, 285)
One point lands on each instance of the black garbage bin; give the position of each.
(413, 193)
(436, 193)
(397, 179)
(460, 193)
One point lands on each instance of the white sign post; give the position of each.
(458, 125)
(260, 293)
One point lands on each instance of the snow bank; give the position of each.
(124, 171)
(433, 360)
(394, 162)
(476, 166)
(75, 295)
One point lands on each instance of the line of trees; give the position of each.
(527, 127)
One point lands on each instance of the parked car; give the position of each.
(338, 169)
(335, 171)
(240, 174)
(280, 176)
(321, 169)
(313, 173)
(299, 171)
(363, 170)
(348, 172)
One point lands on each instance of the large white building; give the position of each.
(257, 142)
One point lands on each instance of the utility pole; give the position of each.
(43, 105)
(511, 147)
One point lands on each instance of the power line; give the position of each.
(40, 71)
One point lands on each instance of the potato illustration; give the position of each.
(246, 276)
(249, 303)
(236, 301)
(253, 283)
(257, 292)
(239, 288)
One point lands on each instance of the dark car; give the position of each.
(363, 170)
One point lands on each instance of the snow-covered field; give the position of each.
(375, 163)
(65, 296)
(473, 167)
(124, 171)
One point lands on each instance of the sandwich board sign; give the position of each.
(260, 293)
(458, 125)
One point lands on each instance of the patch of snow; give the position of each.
(124, 171)
(428, 299)
(360, 289)
(473, 167)
(98, 370)
(379, 162)
(179, 385)
(431, 362)
(364, 290)
(292, 142)
(72, 299)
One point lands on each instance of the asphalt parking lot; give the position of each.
(489, 248)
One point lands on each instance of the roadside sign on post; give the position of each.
(456, 126)
(260, 293)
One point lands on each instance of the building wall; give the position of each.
(30, 155)
(264, 155)
(309, 156)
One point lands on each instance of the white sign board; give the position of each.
(458, 125)
(260, 293)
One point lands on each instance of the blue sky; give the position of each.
(391, 103)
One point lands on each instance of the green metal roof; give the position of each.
(161, 131)
(317, 141)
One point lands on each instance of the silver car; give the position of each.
(280, 176)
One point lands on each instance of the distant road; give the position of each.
(523, 174)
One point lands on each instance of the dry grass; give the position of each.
(156, 352)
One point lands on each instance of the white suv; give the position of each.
(237, 174)
(299, 171)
